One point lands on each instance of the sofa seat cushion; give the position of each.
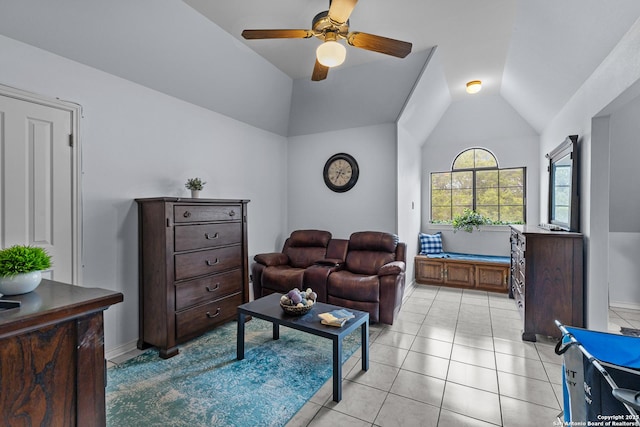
(346, 285)
(283, 278)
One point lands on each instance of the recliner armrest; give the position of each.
(270, 259)
(392, 268)
(330, 262)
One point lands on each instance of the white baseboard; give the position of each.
(625, 305)
(112, 353)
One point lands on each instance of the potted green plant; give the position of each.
(469, 219)
(195, 185)
(21, 268)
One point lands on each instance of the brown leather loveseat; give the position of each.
(366, 272)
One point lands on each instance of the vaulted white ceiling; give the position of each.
(534, 53)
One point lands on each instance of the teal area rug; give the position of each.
(204, 385)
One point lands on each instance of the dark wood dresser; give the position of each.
(193, 268)
(52, 367)
(547, 279)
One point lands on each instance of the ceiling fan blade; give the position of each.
(276, 34)
(379, 44)
(340, 10)
(319, 72)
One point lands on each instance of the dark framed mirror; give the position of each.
(564, 192)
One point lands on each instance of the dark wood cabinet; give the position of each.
(193, 268)
(52, 366)
(547, 279)
(459, 273)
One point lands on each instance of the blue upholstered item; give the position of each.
(472, 257)
(430, 243)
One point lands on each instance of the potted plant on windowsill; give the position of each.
(21, 268)
(195, 185)
(469, 219)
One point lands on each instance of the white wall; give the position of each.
(624, 270)
(615, 75)
(486, 121)
(624, 205)
(369, 205)
(137, 142)
(423, 110)
(409, 198)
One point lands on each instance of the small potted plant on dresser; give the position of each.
(195, 185)
(21, 268)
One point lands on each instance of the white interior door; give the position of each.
(36, 181)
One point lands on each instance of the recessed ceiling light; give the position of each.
(474, 86)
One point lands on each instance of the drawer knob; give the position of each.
(214, 289)
(232, 213)
(209, 263)
(186, 214)
(211, 316)
(210, 237)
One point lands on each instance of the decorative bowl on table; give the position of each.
(297, 302)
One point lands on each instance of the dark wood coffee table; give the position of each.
(268, 308)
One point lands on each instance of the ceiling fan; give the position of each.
(331, 26)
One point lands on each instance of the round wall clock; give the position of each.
(341, 172)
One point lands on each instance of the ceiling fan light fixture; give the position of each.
(331, 53)
(474, 86)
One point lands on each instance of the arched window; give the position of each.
(476, 182)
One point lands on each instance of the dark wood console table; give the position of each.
(52, 367)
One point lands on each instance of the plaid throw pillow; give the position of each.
(430, 243)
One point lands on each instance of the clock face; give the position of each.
(341, 172)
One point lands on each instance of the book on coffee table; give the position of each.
(336, 317)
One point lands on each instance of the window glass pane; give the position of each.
(440, 197)
(512, 196)
(461, 180)
(465, 160)
(490, 211)
(441, 180)
(485, 179)
(484, 159)
(462, 197)
(512, 213)
(487, 196)
(511, 177)
(441, 213)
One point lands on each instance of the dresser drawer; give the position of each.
(202, 317)
(200, 213)
(188, 237)
(211, 261)
(208, 288)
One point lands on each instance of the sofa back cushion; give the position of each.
(370, 250)
(304, 247)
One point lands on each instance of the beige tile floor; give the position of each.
(453, 358)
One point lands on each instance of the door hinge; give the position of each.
(70, 140)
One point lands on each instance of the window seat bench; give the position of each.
(460, 270)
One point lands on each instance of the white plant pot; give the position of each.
(20, 283)
(195, 194)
